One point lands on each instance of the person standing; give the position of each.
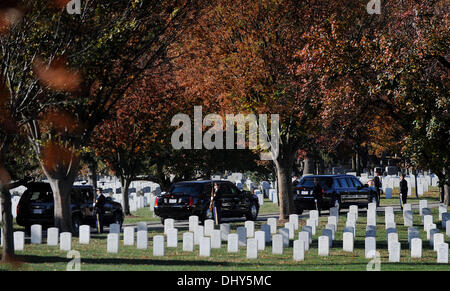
(378, 185)
(403, 190)
(100, 210)
(215, 205)
(317, 192)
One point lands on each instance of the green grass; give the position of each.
(95, 257)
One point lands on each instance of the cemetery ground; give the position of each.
(95, 257)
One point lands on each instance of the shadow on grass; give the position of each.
(32, 259)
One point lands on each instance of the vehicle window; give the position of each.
(207, 189)
(343, 183)
(234, 190)
(41, 196)
(350, 182)
(187, 189)
(224, 189)
(75, 196)
(325, 183)
(336, 183)
(357, 182)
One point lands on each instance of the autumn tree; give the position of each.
(84, 64)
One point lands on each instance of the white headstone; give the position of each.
(438, 238)
(394, 252)
(65, 239)
(299, 250)
(158, 245)
(188, 242)
(205, 247)
(309, 230)
(272, 222)
(36, 234)
(291, 228)
(233, 243)
(242, 235)
(250, 226)
(304, 236)
(416, 248)
(19, 240)
(348, 242)
(260, 236)
(370, 244)
(324, 246)
(277, 244)
(168, 224)
(224, 231)
(312, 224)
(433, 232)
(52, 236)
(198, 234)
(142, 240)
(84, 234)
(216, 240)
(252, 248)
(172, 238)
(128, 235)
(442, 253)
(193, 222)
(408, 218)
(208, 227)
(285, 234)
(112, 243)
(328, 233)
(293, 218)
(427, 221)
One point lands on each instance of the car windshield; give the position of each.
(325, 183)
(40, 196)
(189, 189)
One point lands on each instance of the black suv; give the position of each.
(194, 197)
(339, 191)
(36, 207)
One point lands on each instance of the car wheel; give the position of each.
(162, 220)
(253, 212)
(118, 219)
(76, 222)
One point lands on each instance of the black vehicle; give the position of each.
(339, 191)
(193, 198)
(36, 207)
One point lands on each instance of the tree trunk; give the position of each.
(92, 174)
(358, 164)
(286, 200)
(125, 184)
(61, 188)
(308, 168)
(446, 195)
(7, 225)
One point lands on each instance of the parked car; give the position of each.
(339, 191)
(36, 207)
(193, 198)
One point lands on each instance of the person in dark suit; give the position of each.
(215, 206)
(317, 192)
(100, 210)
(378, 185)
(403, 190)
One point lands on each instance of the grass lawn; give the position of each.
(95, 257)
